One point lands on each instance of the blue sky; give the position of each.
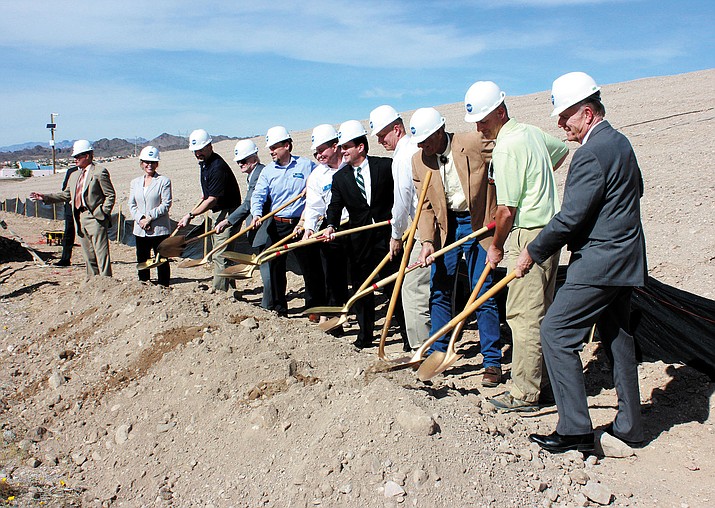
(136, 68)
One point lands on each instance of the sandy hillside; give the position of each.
(117, 393)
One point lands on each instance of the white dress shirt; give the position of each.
(405, 194)
(318, 194)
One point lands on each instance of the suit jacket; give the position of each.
(98, 194)
(599, 219)
(154, 204)
(471, 154)
(346, 194)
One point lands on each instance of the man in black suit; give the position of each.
(600, 222)
(364, 186)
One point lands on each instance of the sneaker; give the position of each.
(491, 377)
(507, 402)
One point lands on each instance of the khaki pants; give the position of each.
(415, 301)
(527, 302)
(219, 262)
(95, 245)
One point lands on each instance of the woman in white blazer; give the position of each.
(149, 203)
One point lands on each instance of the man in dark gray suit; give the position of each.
(246, 155)
(600, 223)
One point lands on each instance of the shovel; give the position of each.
(190, 263)
(158, 260)
(416, 359)
(389, 279)
(173, 246)
(23, 243)
(335, 322)
(403, 264)
(440, 361)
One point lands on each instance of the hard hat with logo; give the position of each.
(150, 154)
(244, 148)
(570, 89)
(198, 139)
(276, 135)
(381, 117)
(81, 146)
(322, 134)
(482, 98)
(424, 123)
(349, 130)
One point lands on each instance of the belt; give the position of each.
(459, 214)
(286, 220)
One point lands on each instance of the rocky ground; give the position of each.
(119, 393)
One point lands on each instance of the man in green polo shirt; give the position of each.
(523, 162)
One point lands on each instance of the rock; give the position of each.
(346, 489)
(79, 458)
(597, 492)
(392, 489)
(538, 485)
(580, 500)
(417, 422)
(249, 323)
(33, 462)
(610, 446)
(579, 476)
(56, 380)
(419, 477)
(121, 435)
(8, 436)
(36, 435)
(165, 427)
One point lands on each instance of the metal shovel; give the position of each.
(190, 263)
(440, 361)
(416, 358)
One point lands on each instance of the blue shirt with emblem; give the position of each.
(279, 184)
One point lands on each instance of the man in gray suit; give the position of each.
(246, 155)
(91, 194)
(600, 223)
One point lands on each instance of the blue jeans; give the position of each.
(444, 271)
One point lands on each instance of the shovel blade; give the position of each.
(332, 323)
(152, 263)
(191, 263)
(238, 257)
(325, 310)
(447, 363)
(429, 367)
(172, 246)
(237, 272)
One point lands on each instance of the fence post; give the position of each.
(17, 200)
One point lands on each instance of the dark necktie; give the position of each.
(360, 182)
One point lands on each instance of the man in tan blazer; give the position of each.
(459, 200)
(91, 194)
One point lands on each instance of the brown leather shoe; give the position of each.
(491, 377)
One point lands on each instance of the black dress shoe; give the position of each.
(556, 443)
(63, 262)
(363, 344)
(632, 444)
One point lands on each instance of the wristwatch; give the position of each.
(191, 215)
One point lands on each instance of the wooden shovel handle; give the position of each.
(403, 264)
(472, 297)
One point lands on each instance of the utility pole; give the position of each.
(52, 126)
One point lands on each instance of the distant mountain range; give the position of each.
(104, 147)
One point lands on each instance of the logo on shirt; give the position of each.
(328, 187)
(298, 175)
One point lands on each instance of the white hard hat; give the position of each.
(149, 153)
(322, 134)
(198, 139)
(570, 89)
(352, 129)
(424, 123)
(81, 146)
(482, 98)
(381, 117)
(276, 135)
(244, 148)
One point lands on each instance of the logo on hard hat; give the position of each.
(312, 139)
(413, 130)
(469, 108)
(552, 99)
(340, 135)
(371, 125)
(193, 141)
